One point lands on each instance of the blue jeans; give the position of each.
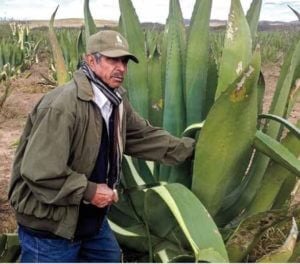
(102, 247)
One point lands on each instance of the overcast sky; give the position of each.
(147, 10)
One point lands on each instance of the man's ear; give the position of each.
(90, 59)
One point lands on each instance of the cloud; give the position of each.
(147, 10)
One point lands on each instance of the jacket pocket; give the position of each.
(24, 202)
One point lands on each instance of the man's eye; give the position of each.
(125, 60)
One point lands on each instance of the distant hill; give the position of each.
(262, 26)
(214, 24)
(70, 23)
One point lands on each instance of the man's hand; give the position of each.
(104, 196)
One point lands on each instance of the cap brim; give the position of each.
(119, 53)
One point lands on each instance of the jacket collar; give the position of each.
(85, 91)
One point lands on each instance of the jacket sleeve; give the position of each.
(154, 143)
(45, 167)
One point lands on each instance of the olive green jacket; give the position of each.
(58, 150)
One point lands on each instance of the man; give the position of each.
(67, 164)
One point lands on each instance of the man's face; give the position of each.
(110, 70)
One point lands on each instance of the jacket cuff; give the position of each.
(90, 191)
(179, 150)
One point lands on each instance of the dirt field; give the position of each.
(27, 90)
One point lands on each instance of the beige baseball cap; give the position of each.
(109, 43)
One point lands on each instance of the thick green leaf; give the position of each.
(134, 237)
(3, 241)
(60, 67)
(284, 122)
(156, 90)
(253, 16)
(193, 129)
(295, 258)
(167, 252)
(273, 180)
(283, 89)
(284, 253)
(295, 92)
(237, 49)
(137, 76)
(260, 92)
(277, 152)
(175, 21)
(246, 192)
(295, 12)
(197, 61)
(9, 248)
(174, 107)
(174, 117)
(181, 208)
(284, 195)
(123, 213)
(174, 10)
(132, 177)
(145, 169)
(249, 230)
(212, 82)
(80, 46)
(182, 173)
(89, 24)
(132, 180)
(226, 139)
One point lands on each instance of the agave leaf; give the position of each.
(295, 12)
(283, 121)
(211, 83)
(197, 61)
(260, 92)
(295, 258)
(80, 47)
(283, 88)
(253, 16)
(152, 39)
(124, 210)
(156, 90)
(284, 194)
(191, 130)
(136, 80)
(274, 179)
(3, 241)
(133, 178)
(136, 181)
(1, 57)
(294, 94)
(167, 252)
(226, 139)
(174, 16)
(182, 173)
(277, 152)
(242, 197)
(284, 253)
(134, 237)
(89, 23)
(174, 106)
(181, 208)
(237, 49)
(176, 20)
(137, 172)
(248, 232)
(145, 169)
(60, 67)
(11, 250)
